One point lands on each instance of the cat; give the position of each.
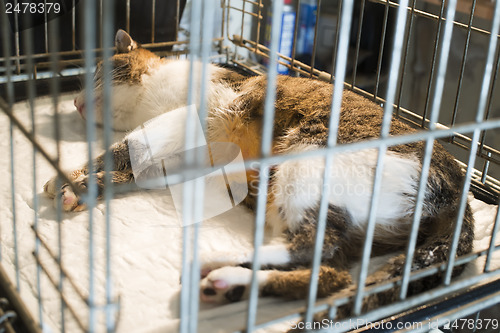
(145, 86)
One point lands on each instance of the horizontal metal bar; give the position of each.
(429, 271)
(434, 17)
(460, 306)
(255, 3)
(260, 17)
(438, 313)
(411, 302)
(343, 298)
(262, 50)
(149, 46)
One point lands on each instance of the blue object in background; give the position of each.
(285, 46)
(307, 22)
(287, 30)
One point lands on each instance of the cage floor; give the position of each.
(145, 235)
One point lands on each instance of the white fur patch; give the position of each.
(164, 89)
(298, 185)
(276, 254)
(230, 277)
(237, 275)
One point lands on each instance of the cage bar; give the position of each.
(29, 66)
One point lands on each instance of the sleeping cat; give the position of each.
(145, 86)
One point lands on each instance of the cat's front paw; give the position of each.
(229, 284)
(70, 201)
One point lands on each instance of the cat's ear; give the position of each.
(124, 43)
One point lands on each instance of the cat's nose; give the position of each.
(78, 107)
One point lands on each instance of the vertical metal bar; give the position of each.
(222, 31)
(335, 45)
(206, 47)
(53, 30)
(462, 67)
(153, 21)
(127, 19)
(490, 100)
(491, 248)
(381, 49)
(386, 123)
(265, 150)
(108, 41)
(431, 75)
(429, 144)
(185, 276)
(412, 242)
(474, 146)
(315, 40)
(228, 11)
(10, 101)
(16, 40)
(242, 18)
(486, 165)
(28, 47)
(338, 89)
(45, 28)
(100, 24)
(73, 26)
(405, 57)
(257, 39)
(295, 33)
(89, 60)
(186, 315)
(177, 18)
(358, 42)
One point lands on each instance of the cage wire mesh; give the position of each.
(431, 64)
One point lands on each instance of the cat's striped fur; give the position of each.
(146, 86)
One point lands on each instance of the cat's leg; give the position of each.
(292, 206)
(121, 173)
(225, 280)
(232, 284)
(298, 247)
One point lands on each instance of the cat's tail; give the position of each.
(435, 250)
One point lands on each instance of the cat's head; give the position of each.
(128, 66)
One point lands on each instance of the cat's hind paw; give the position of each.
(229, 284)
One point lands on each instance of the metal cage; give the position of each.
(433, 64)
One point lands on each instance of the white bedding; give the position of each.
(145, 233)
